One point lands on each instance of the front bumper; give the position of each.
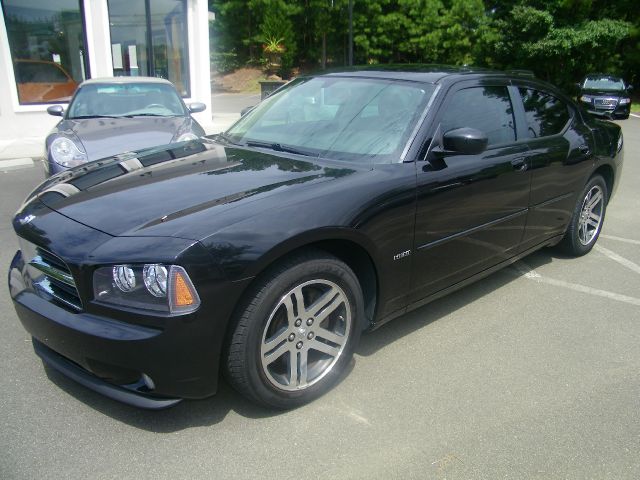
(140, 359)
(176, 359)
(80, 375)
(621, 111)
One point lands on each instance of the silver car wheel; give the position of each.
(590, 219)
(305, 335)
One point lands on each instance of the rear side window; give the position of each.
(546, 114)
(487, 109)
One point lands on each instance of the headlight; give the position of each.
(586, 98)
(186, 137)
(151, 287)
(624, 101)
(67, 153)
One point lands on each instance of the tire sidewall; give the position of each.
(269, 297)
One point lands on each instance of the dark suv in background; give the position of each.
(605, 95)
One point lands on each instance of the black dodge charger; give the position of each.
(337, 204)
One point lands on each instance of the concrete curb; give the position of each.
(16, 164)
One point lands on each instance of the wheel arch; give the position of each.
(607, 172)
(348, 245)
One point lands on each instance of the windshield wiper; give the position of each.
(131, 115)
(93, 116)
(278, 147)
(227, 139)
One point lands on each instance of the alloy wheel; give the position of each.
(305, 335)
(591, 215)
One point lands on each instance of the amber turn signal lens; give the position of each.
(182, 292)
(183, 297)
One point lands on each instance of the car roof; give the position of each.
(124, 80)
(421, 72)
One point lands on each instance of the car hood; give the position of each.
(166, 191)
(603, 92)
(103, 137)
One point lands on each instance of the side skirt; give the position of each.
(478, 276)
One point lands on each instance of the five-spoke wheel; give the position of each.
(588, 217)
(297, 332)
(306, 334)
(591, 215)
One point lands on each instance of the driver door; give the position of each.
(471, 209)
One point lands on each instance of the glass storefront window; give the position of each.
(47, 44)
(149, 38)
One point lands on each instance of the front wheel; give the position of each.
(588, 217)
(296, 332)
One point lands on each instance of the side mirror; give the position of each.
(465, 141)
(55, 110)
(630, 88)
(246, 110)
(579, 85)
(196, 107)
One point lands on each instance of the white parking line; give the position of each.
(634, 115)
(620, 239)
(531, 274)
(617, 258)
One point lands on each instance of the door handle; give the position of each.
(584, 149)
(519, 164)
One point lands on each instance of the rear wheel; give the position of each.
(296, 332)
(588, 217)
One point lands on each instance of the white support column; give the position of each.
(96, 20)
(199, 63)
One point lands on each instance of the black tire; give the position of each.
(575, 242)
(264, 308)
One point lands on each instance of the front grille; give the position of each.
(605, 102)
(51, 278)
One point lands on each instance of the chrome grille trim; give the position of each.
(51, 277)
(605, 102)
(52, 271)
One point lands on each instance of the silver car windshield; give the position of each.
(126, 100)
(603, 83)
(353, 119)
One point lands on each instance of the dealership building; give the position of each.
(48, 47)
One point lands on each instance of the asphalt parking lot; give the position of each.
(532, 373)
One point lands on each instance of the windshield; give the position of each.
(604, 83)
(126, 100)
(354, 119)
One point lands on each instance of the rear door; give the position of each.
(471, 209)
(561, 152)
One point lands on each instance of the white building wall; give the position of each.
(23, 127)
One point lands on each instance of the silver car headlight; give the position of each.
(67, 153)
(586, 98)
(152, 287)
(624, 101)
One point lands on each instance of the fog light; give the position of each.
(155, 279)
(124, 277)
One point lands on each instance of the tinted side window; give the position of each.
(546, 115)
(487, 109)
